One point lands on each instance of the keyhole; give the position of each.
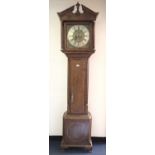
(77, 65)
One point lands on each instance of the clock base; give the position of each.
(77, 131)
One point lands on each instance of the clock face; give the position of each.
(78, 36)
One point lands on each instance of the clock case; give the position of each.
(77, 120)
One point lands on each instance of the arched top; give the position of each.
(78, 12)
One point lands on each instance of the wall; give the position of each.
(58, 70)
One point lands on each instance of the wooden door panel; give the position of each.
(77, 85)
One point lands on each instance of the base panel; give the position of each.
(77, 131)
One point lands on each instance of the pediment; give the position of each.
(78, 12)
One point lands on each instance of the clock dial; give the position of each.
(78, 36)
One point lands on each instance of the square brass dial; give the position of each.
(78, 36)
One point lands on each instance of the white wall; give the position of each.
(58, 70)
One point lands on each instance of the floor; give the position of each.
(99, 148)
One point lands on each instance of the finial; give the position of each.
(78, 9)
(78, 6)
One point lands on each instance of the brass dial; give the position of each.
(78, 36)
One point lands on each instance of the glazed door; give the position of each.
(77, 89)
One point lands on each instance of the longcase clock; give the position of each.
(77, 42)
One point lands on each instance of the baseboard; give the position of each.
(94, 139)
(55, 137)
(99, 139)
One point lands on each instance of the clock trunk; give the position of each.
(77, 85)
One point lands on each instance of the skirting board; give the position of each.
(94, 139)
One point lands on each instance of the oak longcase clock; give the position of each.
(77, 42)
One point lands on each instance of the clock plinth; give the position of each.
(77, 131)
(77, 42)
